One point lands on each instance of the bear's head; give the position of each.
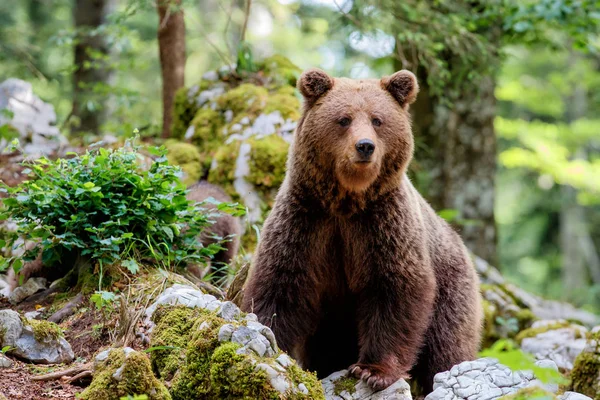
(357, 130)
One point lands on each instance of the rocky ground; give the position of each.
(183, 343)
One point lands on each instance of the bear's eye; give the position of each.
(376, 122)
(345, 121)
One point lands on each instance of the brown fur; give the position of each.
(353, 266)
(225, 226)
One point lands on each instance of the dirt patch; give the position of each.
(16, 384)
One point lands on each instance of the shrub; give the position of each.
(106, 207)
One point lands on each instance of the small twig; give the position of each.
(59, 374)
(81, 375)
(246, 18)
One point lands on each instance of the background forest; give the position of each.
(507, 122)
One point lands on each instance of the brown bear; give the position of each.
(354, 269)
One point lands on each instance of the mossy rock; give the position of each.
(197, 363)
(123, 373)
(533, 332)
(188, 157)
(504, 316)
(44, 330)
(242, 127)
(585, 376)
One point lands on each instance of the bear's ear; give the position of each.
(403, 86)
(314, 83)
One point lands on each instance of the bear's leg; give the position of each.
(392, 319)
(454, 333)
(285, 284)
(395, 287)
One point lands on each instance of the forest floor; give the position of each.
(87, 331)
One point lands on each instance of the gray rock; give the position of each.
(484, 379)
(11, 325)
(573, 396)
(229, 311)
(19, 336)
(45, 351)
(225, 333)
(5, 362)
(31, 117)
(561, 345)
(34, 314)
(400, 390)
(4, 286)
(32, 286)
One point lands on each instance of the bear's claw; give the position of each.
(374, 376)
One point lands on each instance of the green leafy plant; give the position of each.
(104, 206)
(6, 349)
(509, 354)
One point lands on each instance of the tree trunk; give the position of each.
(573, 220)
(91, 68)
(171, 44)
(456, 151)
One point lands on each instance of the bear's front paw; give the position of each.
(375, 376)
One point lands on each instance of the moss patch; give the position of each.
(45, 330)
(188, 157)
(585, 376)
(345, 384)
(267, 165)
(223, 171)
(120, 375)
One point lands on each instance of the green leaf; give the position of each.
(131, 265)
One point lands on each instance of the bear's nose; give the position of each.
(365, 147)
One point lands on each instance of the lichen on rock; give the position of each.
(123, 372)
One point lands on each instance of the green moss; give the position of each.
(345, 384)
(173, 325)
(280, 69)
(45, 330)
(247, 98)
(525, 317)
(233, 375)
(135, 378)
(315, 389)
(267, 164)
(211, 370)
(530, 393)
(585, 376)
(223, 171)
(284, 101)
(188, 157)
(184, 111)
(532, 332)
(9, 132)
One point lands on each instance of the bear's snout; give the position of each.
(365, 148)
